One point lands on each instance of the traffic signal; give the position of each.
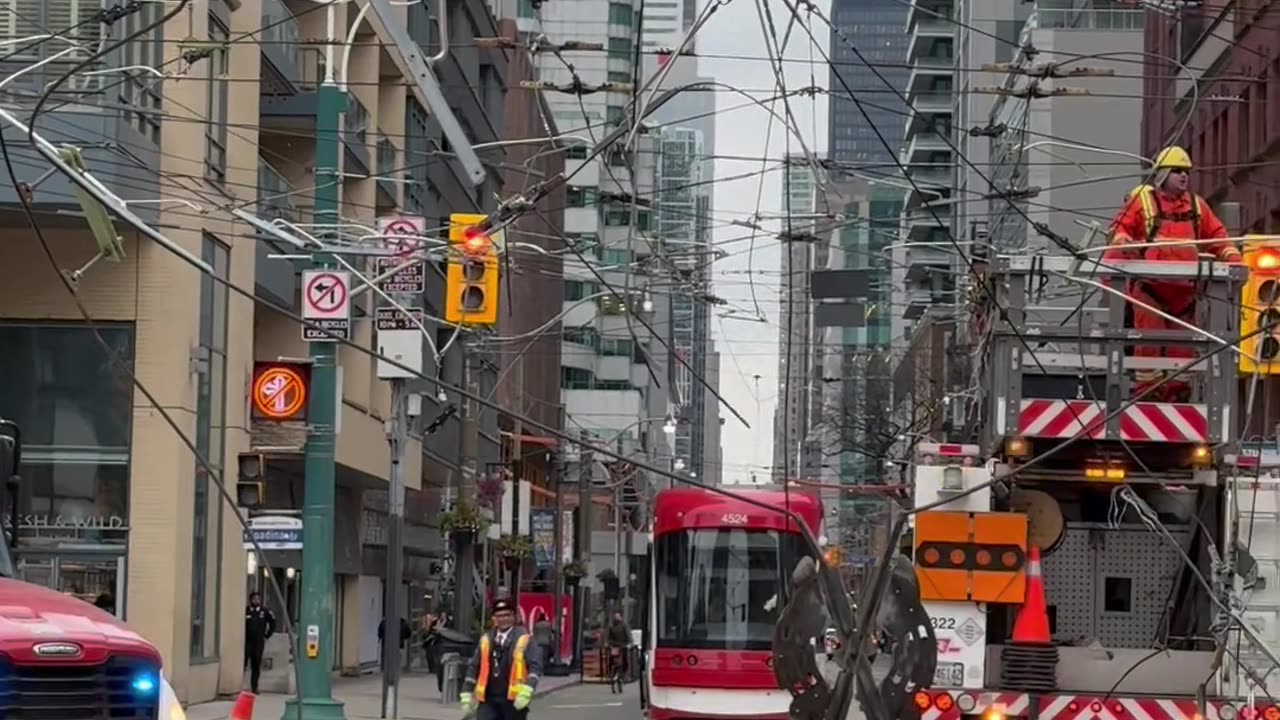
(1260, 308)
(471, 282)
(251, 485)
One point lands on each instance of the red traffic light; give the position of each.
(475, 242)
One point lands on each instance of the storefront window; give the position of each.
(74, 405)
(62, 390)
(81, 503)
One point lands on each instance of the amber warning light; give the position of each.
(1265, 260)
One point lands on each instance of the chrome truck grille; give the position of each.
(119, 689)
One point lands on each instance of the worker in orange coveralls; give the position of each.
(1158, 217)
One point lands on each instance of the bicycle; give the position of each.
(615, 670)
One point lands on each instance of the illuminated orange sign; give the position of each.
(279, 391)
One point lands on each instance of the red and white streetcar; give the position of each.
(718, 576)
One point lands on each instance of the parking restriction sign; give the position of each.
(403, 232)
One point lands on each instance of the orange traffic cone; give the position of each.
(243, 709)
(1032, 625)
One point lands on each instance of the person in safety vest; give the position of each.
(503, 673)
(1158, 221)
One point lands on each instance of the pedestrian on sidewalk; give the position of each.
(618, 640)
(405, 633)
(504, 671)
(259, 626)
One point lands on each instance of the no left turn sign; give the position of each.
(326, 295)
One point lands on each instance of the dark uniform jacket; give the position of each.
(259, 624)
(517, 660)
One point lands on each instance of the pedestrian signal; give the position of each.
(1260, 308)
(471, 282)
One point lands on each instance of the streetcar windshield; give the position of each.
(722, 588)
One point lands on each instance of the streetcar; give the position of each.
(718, 573)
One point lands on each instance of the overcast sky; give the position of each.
(749, 348)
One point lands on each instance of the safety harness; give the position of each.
(1155, 216)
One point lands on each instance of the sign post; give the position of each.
(326, 300)
(400, 338)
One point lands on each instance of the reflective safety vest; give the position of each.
(519, 671)
(1154, 215)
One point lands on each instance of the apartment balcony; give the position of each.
(926, 147)
(920, 225)
(934, 181)
(926, 72)
(1108, 19)
(918, 301)
(120, 148)
(924, 259)
(296, 114)
(275, 279)
(928, 10)
(928, 35)
(388, 174)
(933, 112)
(281, 55)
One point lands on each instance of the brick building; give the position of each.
(1232, 51)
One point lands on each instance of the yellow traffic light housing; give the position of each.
(1260, 308)
(251, 486)
(471, 282)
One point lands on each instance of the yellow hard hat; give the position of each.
(1173, 158)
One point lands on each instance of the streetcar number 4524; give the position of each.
(733, 519)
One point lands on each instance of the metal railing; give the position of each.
(1090, 19)
(274, 194)
(280, 36)
(386, 166)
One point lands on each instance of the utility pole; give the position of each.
(314, 653)
(464, 543)
(399, 336)
(618, 534)
(582, 551)
(398, 436)
(557, 554)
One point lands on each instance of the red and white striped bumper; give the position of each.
(952, 704)
(1141, 422)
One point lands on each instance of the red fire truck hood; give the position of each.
(32, 616)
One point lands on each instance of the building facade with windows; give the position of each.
(877, 29)
(791, 419)
(115, 507)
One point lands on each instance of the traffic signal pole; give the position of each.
(314, 654)
(465, 543)
(471, 300)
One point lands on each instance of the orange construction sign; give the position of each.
(971, 556)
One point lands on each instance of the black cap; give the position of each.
(503, 605)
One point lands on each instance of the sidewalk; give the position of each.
(362, 698)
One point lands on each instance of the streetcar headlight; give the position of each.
(1227, 711)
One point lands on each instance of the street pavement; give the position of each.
(419, 700)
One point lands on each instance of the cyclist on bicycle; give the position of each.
(618, 640)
